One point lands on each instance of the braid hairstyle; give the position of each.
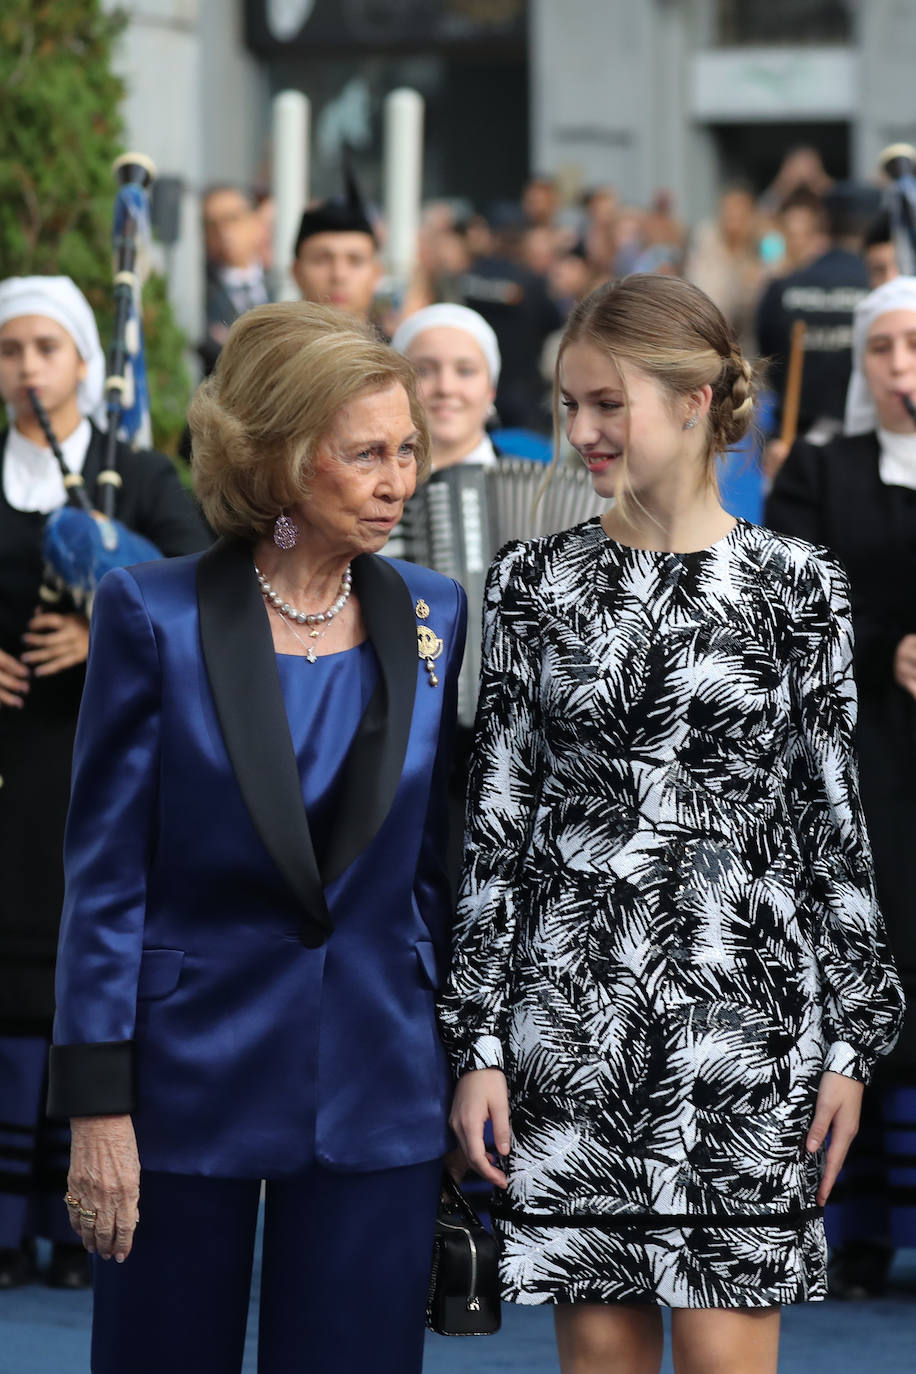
(670, 330)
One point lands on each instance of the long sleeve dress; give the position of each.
(668, 927)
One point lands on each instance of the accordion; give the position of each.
(460, 519)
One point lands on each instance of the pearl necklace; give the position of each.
(290, 614)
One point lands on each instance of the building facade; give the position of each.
(641, 94)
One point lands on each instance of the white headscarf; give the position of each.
(60, 299)
(897, 294)
(451, 317)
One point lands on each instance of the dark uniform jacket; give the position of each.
(36, 742)
(833, 495)
(824, 295)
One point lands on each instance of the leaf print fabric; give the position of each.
(667, 927)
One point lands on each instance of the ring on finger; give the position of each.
(73, 1202)
(87, 1214)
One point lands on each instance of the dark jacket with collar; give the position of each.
(36, 742)
(824, 295)
(833, 495)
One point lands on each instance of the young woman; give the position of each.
(670, 977)
(456, 358)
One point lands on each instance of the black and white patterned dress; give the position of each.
(668, 927)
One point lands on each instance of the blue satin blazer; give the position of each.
(255, 1007)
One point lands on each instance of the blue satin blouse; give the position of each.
(325, 702)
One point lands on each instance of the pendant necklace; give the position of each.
(310, 655)
(288, 613)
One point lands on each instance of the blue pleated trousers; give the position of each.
(344, 1275)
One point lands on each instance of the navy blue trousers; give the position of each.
(33, 1150)
(344, 1275)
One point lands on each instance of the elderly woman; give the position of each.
(857, 494)
(49, 343)
(256, 905)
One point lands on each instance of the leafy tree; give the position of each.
(60, 131)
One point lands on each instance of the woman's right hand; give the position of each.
(14, 680)
(905, 664)
(104, 1179)
(480, 1096)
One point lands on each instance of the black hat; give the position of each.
(341, 215)
(849, 206)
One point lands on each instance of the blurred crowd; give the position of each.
(807, 247)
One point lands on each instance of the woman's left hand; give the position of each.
(56, 642)
(839, 1105)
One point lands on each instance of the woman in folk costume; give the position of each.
(670, 977)
(49, 343)
(857, 495)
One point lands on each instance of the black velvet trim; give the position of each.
(16, 1128)
(91, 1080)
(375, 761)
(656, 1221)
(15, 1152)
(877, 1187)
(33, 1181)
(242, 670)
(17, 1185)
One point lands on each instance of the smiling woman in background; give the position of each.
(456, 358)
(247, 970)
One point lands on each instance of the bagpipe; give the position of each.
(83, 540)
(898, 162)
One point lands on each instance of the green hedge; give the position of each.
(60, 130)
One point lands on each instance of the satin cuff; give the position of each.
(91, 1080)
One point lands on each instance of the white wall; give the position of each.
(630, 91)
(590, 102)
(887, 107)
(608, 95)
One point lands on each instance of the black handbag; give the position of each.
(464, 1282)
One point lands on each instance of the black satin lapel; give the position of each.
(242, 669)
(375, 761)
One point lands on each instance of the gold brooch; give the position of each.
(421, 609)
(429, 647)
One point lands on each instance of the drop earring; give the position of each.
(286, 532)
(689, 424)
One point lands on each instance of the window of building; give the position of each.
(778, 22)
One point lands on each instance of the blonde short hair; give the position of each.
(256, 423)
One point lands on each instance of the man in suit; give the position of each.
(235, 278)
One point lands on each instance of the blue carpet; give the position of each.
(45, 1332)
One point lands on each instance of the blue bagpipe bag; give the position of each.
(81, 548)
